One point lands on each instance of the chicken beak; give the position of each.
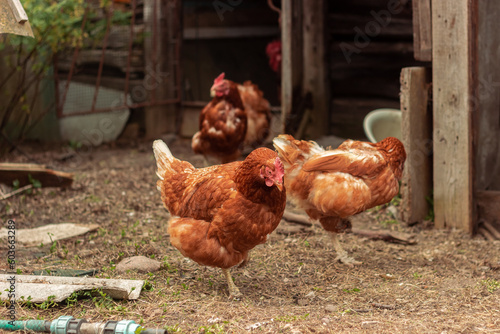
(212, 92)
(279, 185)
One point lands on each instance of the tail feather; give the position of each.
(163, 157)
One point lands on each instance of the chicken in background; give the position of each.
(258, 111)
(223, 123)
(237, 115)
(219, 213)
(332, 185)
(273, 52)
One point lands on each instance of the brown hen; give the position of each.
(332, 185)
(237, 115)
(223, 123)
(219, 213)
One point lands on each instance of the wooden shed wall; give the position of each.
(230, 37)
(369, 42)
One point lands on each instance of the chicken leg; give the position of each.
(341, 253)
(233, 289)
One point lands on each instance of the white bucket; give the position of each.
(382, 123)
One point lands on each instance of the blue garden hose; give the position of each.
(67, 324)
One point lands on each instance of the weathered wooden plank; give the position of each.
(315, 69)
(377, 48)
(18, 11)
(26, 173)
(452, 136)
(229, 32)
(9, 23)
(487, 117)
(422, 30)
(368, 26)
(160, 19)
(365, 83)
(38, 289)
(416, 128)
(291, 53)
(402, 6)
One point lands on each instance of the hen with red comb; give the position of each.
(219, 213)
(238, 115)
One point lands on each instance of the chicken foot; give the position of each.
(341, 253)
(233, 289)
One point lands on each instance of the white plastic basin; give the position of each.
(382, 123)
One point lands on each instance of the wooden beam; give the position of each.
(159, 22)
(452, 40)
(18, 11)
(487, 117)
(345, 23)
(229, 32)
(422, 30)
(291, 53)
(315, 69)
(416, 128)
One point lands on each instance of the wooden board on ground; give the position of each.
(40, 288)
(26, 173)
(47, 234)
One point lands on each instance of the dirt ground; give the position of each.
(447, 282)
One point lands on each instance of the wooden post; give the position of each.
(291, 52)
(453, 89)
(422, 30)
(315, 70)
(159, 118)
(487, 117)
(416, 129)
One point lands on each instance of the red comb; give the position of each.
(220, 78)
(278, 165)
